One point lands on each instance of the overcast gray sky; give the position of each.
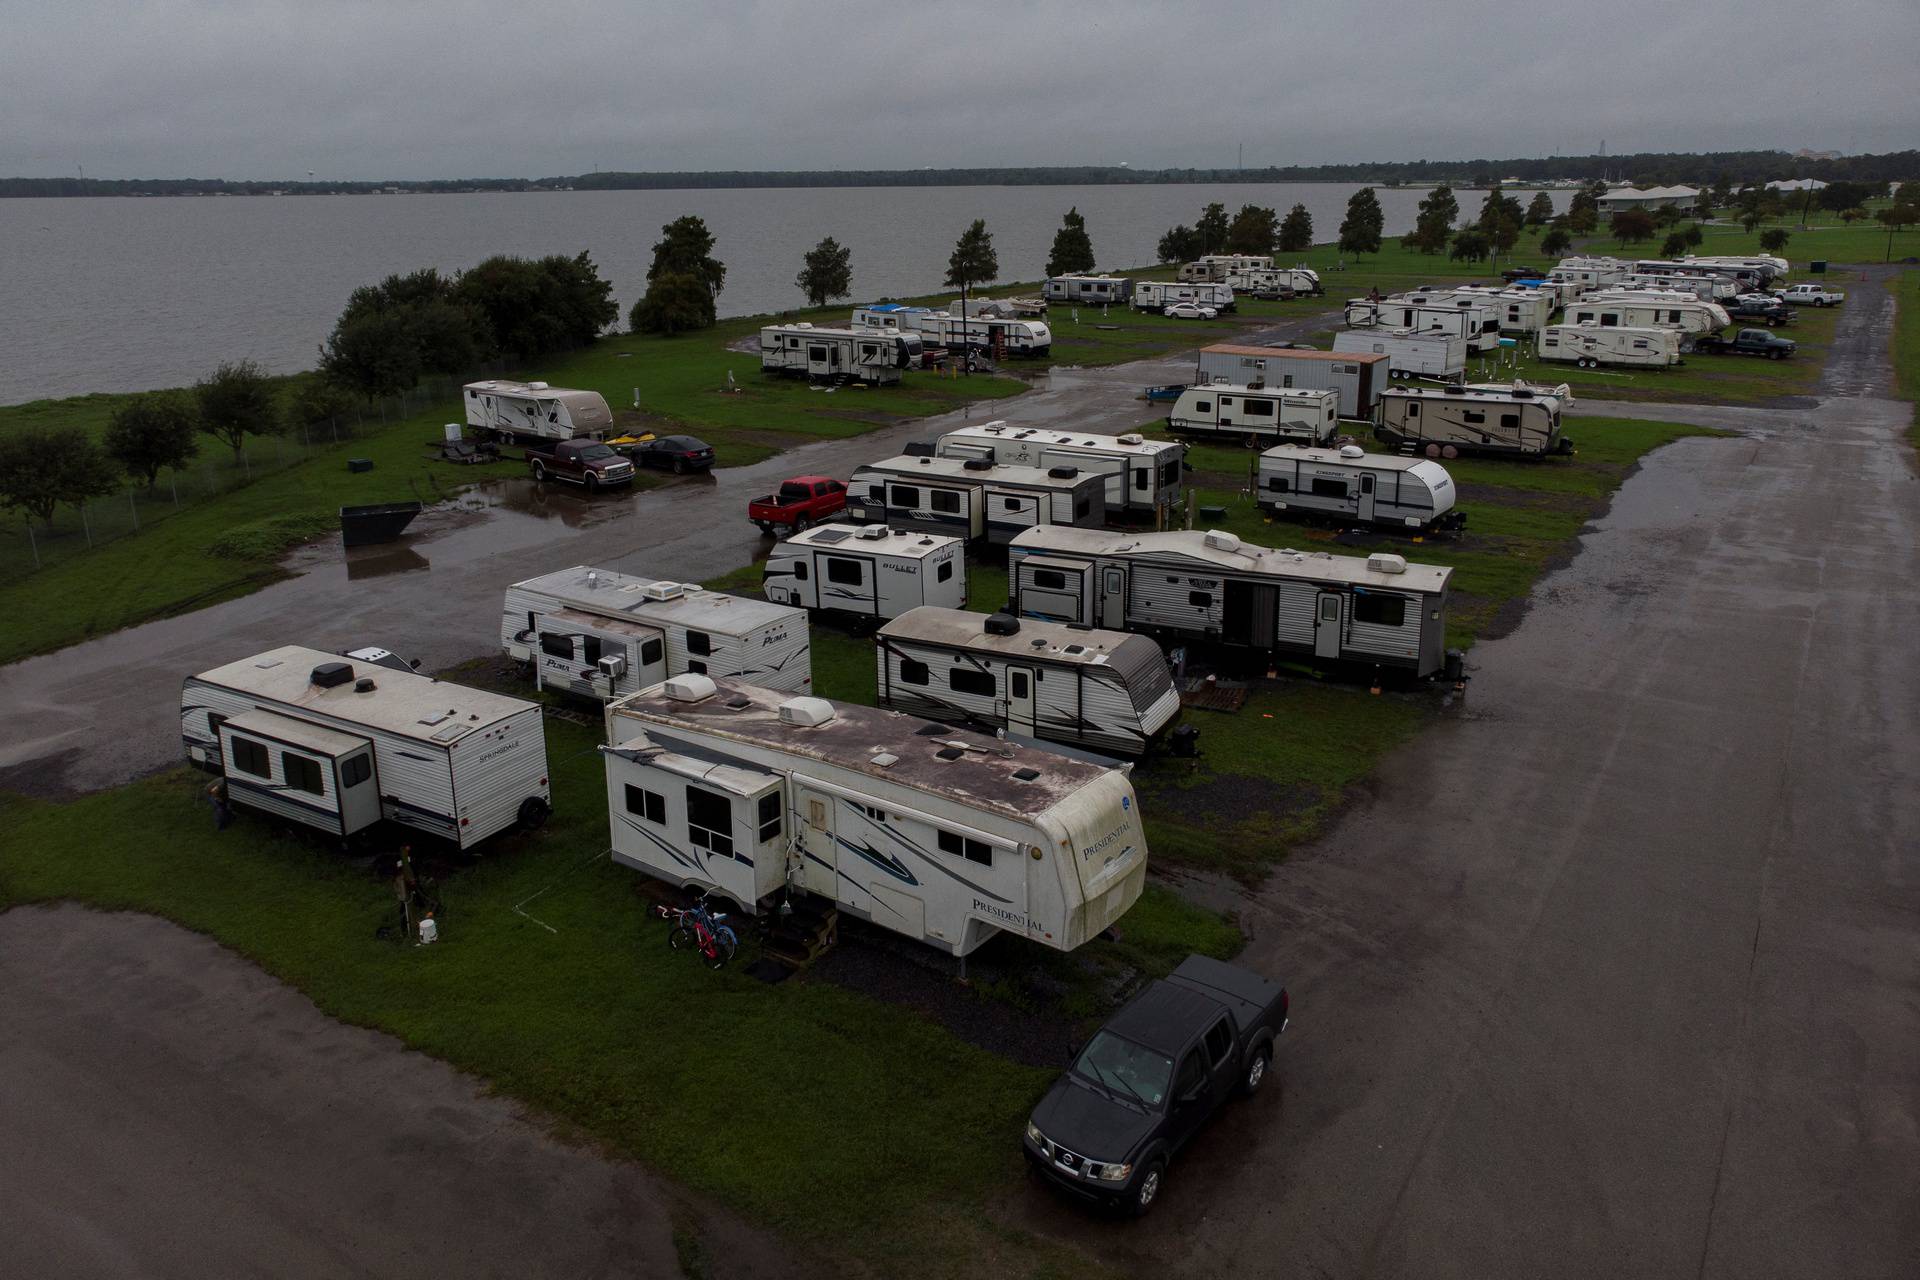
(435, 88)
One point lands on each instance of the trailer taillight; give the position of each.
(465, 821)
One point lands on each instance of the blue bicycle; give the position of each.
(702, 929)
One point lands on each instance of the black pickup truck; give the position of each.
(1771, 312)
(1748, 342)
(1151, 1077)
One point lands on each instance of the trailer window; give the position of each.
(1009, 504)
(1384, 611)
(556, 646)
(301, 773)
(1509, 419)
(356, 770)
(905, 495)
(1082, 508)
(710, 821)
(770, 817)
(945, 500)
(1203, 406)
(1170, 471)
(1413, 408)
(1049, 579)
(972, 680)
(1140, 480)
(590, 649)
(250, 757)
(945, 572)
(1200, 599)
(699, 642)
(1277, 484)
(1257, 409)
(651, 652)
(912, 672)
(1324, 488)
(844, 571)
(650, 805)
(972, 850)
(1473, 415)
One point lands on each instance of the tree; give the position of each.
(319, 401)
(1072, 247)
(535, 307)
(1470, 244)
(1212, 228)
(1556, 241)
(1434, 221)
(1501, 218)
(1897, 216)
(374, 353)
(1540, 210)
(1693, 235)
(1296, 230)
(685, 247)
(1180, 244)
(42, 467)
(237, 400)
(973, 261)
(1751, 218)
(1773, 239)
(1253, 230)
(151, 432)
(675, 302)
(392, 332)
(826, 272)
(1853, 215)
(1703, 208)
(1674, 246)
(1583, 214)
(1360, 230)
(1837, 197)
(1632, 226)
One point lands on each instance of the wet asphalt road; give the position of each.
(209, 1121)
(1618, 972)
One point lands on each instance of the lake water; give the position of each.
(126, 294)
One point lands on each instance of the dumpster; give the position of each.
(382, 522)
(1818, 266)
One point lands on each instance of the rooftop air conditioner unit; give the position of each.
(1133, 437)
(691, 687)
(664, 590)
(1386, 562)
(872, 533)
(1221, 540)
(806, 713)
(1352, 451)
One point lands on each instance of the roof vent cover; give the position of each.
(691, 687)
(806, 713)
(331, 675)
(1002, 624)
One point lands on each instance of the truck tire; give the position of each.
(592, 481)
(766, 528)
(539, 472)
(1776, 355)
(800, 524)
(1147, 1189)
(1256, 1073)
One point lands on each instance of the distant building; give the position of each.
(1649, 198)
(1796, 184)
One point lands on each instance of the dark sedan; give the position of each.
(679, 454)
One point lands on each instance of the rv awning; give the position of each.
(297, 733)
(573, 618)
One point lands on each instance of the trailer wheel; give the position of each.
(534, 813)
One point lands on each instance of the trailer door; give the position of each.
(1366, 497)
(1249, 609)
(819, 865)
(847, 582)
(1020, 700)
(1113, 597)
(1326, 626)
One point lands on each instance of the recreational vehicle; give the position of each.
(1729, 281)
(1587, 274)
(1648, 309)
(535, 411)
(1143, 476)
(1218, 266)
(1350, 485)
(1089, 289)
(304, 736)
(1253, 413)
(1474, 322)
(1106, 690)
(1378, 610)
(838, 355)
(1513, 420)
(1515, 310)
(1410, 353)
(1706, 288)
(866, 571)
(1357, 377)
(1767, 266)
(973, 498)
(1272, 282)
(940, 834)
(1591, 346)
(1158, 295)
(993, 334)
(601, 634)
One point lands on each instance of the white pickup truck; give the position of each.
(1811, 294)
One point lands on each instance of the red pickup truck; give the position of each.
(585, 462)
(799, 502)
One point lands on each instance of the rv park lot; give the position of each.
(1609, 970)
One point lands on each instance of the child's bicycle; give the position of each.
(698, 928)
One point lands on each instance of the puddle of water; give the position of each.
(380, 562)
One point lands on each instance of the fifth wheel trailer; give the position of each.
(1357, 377)
(1379, 610)
(866, 571)
(601, 634)
(1110, 691)
(945, 836)
(974, 498)
(1350, 484)
(335, 745)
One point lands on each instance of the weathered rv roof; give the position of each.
(1191, 545)
(1036, 640)
(882, 744)
(1473, 393)
(1278, 393)
(819, 330)
(909, 544)
(401, 702)
(1375, 461)
(907, 465)
(616, 595)
(1293, 353)
(1133, 444)
(537, 391)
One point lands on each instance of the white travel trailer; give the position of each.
(536, 411)
(1143, 476)
(1350, 485)
(336, 745)
(1218, 266)
(1357, 377)
(992, 334)
(1268, 282)
(1591, 346)
(837, 355)
(1255, 413)
(1706, 288)
(1089, 289)
(1732, 280)
(1767, 266)
(1107, 690)
(1584, 275)
(1378, 610)
(866, 571)
(1474, 322)
(1410, 353)
(973, 498)
(1158, 295)
(601, 634)
(1512, 420)
(945, 836)
(1515, 310)
(1667, 308)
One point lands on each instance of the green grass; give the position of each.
(856, 1125)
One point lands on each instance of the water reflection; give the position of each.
(381, 562)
